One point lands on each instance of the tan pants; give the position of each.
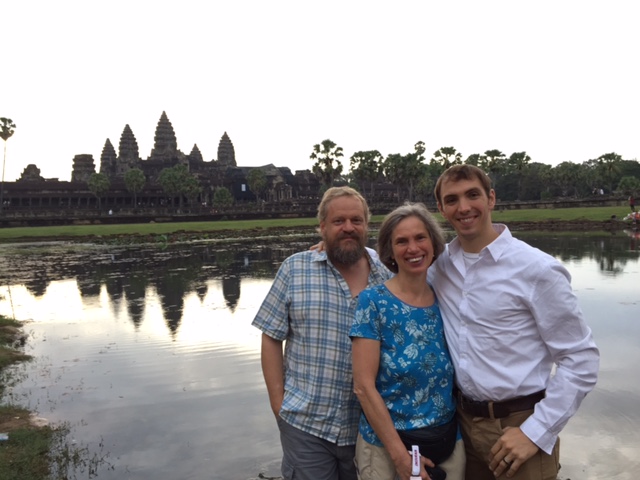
(480, 434)
(374, 463)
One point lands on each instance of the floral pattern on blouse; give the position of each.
(415, 376)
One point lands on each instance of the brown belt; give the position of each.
(497, 409)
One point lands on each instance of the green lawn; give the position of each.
(528, 215)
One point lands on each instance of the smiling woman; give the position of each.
(398, 350)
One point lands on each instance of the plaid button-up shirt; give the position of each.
(310, 307)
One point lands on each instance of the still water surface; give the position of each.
(150, 356)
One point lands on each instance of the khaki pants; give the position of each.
(480, 434)
(374, 463)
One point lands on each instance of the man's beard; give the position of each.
(345, 256)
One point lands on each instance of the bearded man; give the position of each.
(310, 308)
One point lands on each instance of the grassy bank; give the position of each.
(211, 229)
(34, 450)
(10, 337)
(24, 454)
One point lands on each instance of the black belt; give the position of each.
(497, 409)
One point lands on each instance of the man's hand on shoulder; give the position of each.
(511, 450)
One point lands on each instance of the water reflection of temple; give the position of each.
(231, 290)
(128, 277)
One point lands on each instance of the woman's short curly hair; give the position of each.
(391, 221)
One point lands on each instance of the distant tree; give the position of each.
(98, 185)
(593, 175)
(629, 168)
(176, 181)
(629, 185)
(475, 159)
(350, 181)
(134, 179)
(516, 167)
(415, 167)
(406, 170)
(424, 187)
(169, 179)
(366, 167)
(535, 184)
(495, 162)
(7, 128)
(191, 189)
(445, 157)
(565, 176)
(222, 197)
(609, 168)
(327, 156)
(518, 162)
(393, 171)
(257, 181)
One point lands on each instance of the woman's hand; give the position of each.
(403, 466)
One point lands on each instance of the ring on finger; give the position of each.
(504, 459)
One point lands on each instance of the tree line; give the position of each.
(515, 177)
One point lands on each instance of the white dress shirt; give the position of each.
(508, 319)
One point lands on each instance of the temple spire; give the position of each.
(129, 154)
(195, 155)
(165, 145)
(108, 160)
(128, 148)
(83, 168)
(226, 152)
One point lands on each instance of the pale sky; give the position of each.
(557, 79)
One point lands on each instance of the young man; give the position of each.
(510, 316)
(311, 307)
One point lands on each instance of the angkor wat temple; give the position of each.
(32, 192)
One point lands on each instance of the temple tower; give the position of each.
(226, 152)
(31, 173)
(83, 168)
(129, 156)
(195, 156)
(165, 145)
(108, 160)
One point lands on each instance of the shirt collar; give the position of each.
(495, 249)
(319, 256)
(374, 268)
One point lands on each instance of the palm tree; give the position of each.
(7, 127)
(444, 158)
(134, 180)
(327, 156)
(366, 167)
(609, 167)
(98, 184)
(257, 181)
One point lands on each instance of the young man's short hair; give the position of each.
(462, 172)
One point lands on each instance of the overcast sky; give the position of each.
(557, 79)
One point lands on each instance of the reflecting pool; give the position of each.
(148, 353)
